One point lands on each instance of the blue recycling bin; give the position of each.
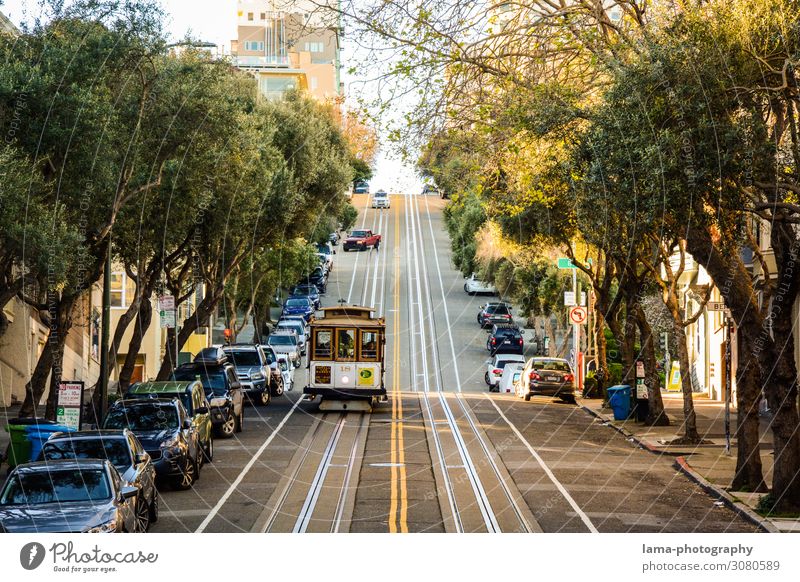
(619, 399)
(39, 433)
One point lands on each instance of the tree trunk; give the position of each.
(198, 319)
(627, 343)
(40, 374)
(143, 320)
(655, 410)
(749, 475)
(690, 434)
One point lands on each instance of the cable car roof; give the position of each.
(348, 315)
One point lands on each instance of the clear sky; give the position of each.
(215, 21)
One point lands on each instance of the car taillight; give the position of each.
(507, 316)
(535, 376)
(497, 371)
(520, 342)
(568, 377)
(494, 341)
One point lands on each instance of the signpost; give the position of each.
(577, 315)
(166, 311)
(69, 404)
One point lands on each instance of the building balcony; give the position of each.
(263, 62)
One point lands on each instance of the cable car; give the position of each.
(346, 358)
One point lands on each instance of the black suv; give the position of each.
(166, 433)
(494, 312)
(317, 277)
(505, 338)
(223, 389)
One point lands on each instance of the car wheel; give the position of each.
(486, 379)
(188, 475)
(208, 451)
(153, 506)
(142, 515)
(227, 429)
(278, 391)
(264, 398)
(527, 397)
(568, 398)
(240, 422)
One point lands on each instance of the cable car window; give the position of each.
(369, 345)
(345, 344)
(323, 344)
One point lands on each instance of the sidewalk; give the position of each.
(706, 464)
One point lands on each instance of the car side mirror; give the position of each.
(187, 424)
(128, 492)
(202, 410)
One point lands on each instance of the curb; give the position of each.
(642, 444)
(742, 509)
(683, 466)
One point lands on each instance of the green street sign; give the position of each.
(566, 263)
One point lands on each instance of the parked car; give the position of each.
(494, 312)
(317, 277)
(505, 338)
(326, 248)
(166, 432)
(334, 238)
(381, 199)
(285, 343)
(298, 306)
(124, 451)
(360, 240)
(495, 366)
(223, 389)
(307, 290)
(510, 378)
(547, 377)
(474, 286)
(279, 381)
(299, 328)
(287, 371)
(192, 395)
(429, 189)
(253, 371)
(69, 496)
(361, 187)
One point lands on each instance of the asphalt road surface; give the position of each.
(442, 455)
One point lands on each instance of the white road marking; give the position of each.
(585, 518)
(245, 470)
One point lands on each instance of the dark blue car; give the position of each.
(298, 306)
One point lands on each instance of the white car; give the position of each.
(495, 366)
(511, 375)
(380, 200)
(297, 327)
(474, 285)
(287, 373)
(285, 345)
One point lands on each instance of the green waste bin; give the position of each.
(19, 448)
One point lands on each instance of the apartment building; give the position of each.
(289, 46)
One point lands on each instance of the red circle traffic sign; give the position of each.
(577, 314)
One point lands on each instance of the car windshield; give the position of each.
(380, 194)
(359, 234)
(297, 302)
(554, 365)
(145, 416)
(270, 355)
(503, 363)
(213, 380)
(282, 340)
(303, 290)
(56, 486)
(114, 449)
(507, 332)
(244, 357)
(497, 309)
(296, 327)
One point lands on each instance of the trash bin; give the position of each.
(38, 435)
(19, 447)
(619, 398)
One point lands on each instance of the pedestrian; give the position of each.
(377, 244)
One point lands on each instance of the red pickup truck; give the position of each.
(360, 240)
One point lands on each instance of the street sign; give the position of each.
(715, 306)
(569, 298)
(640, 369)
(674, 381)
(166, 311)
(577, 315)
(69, 404)
(566, 263)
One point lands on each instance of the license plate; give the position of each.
(552, 378)
(507, 342)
